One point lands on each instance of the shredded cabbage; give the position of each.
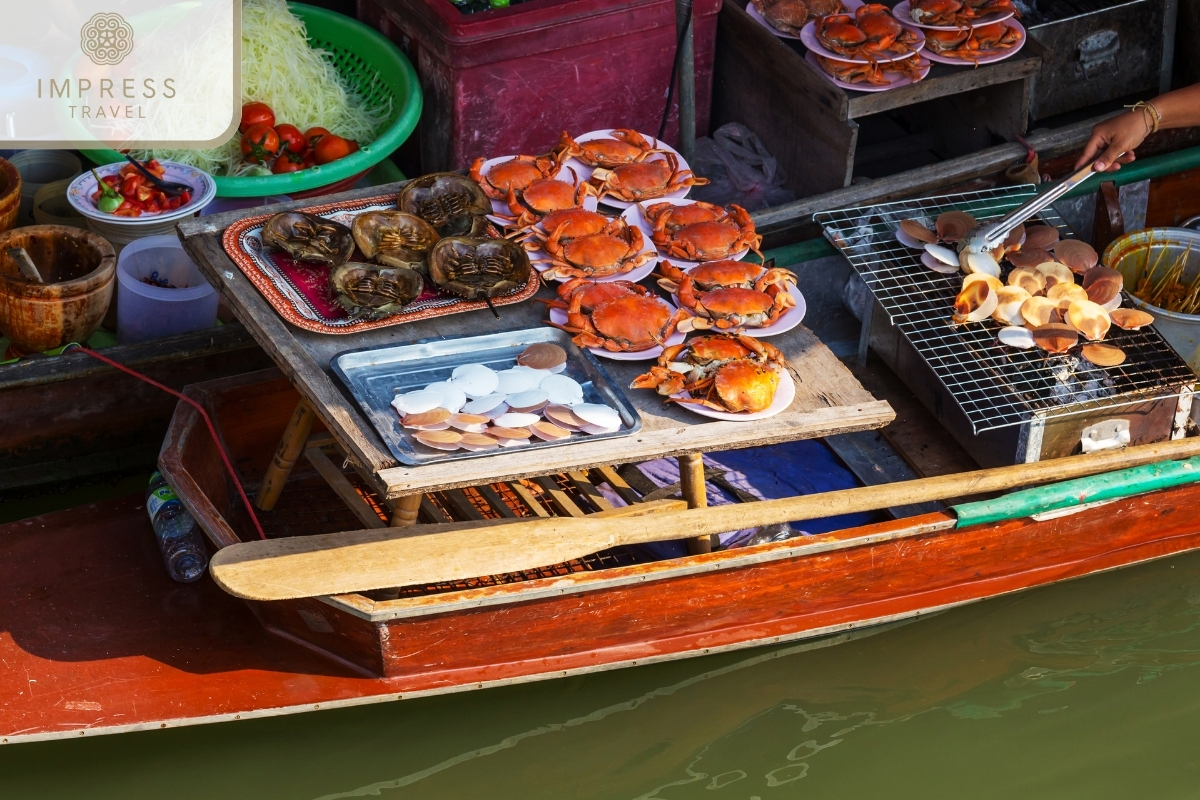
(297, 81)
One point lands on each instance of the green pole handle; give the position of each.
(1105, 486)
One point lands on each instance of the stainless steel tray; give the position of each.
(375, 376)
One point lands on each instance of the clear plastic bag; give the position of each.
(740, 169)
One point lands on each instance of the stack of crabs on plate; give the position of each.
(603, 212)
(869, 47)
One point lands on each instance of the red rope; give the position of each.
(199, 409)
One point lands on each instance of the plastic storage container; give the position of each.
(38, 168)
(145, 311)
(509, 80)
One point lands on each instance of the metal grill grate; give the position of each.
(996, 386)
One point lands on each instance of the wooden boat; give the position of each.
(129, 650)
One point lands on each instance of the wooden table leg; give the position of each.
(691, 484)
(290, 446)
(406, 510)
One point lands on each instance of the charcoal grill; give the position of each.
(1003, 405)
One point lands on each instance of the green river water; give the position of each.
(1087, 689)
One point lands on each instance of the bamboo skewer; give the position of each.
(357, 561)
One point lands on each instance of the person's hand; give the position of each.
(1113, 142)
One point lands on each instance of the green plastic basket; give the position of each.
(374, 67)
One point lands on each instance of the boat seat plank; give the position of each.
(494, 500)
(581, 482)
(345, 490)
(608, 474)
(528, 498)
(461, 505)
(559, 497)
(430, 512)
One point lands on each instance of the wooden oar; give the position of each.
(358, 561)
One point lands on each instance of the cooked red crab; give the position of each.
(615, 249)
(593, 293)
(621, 146)
(724, 233)
(973, 43)
(516, 173)
(941, 12)
(730, 294)
(630, 322)
(644, 180)
(544, 196)
(725, 372)
(871, 33)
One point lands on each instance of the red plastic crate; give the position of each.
(510, 80)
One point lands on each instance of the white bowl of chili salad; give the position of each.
(140, 202)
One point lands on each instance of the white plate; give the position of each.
(558, 316)
(501, 207)
(788, 320)
(633, 215)
(761, 20)
(992, 55)
(585, 172)
(79, 194)
(895, 79)
(784, 395)
(903, 12)
(808, 35)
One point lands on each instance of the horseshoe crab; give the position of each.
(307, 237)
(394, 238)
(370, 291)
(478, 269)
(453, 204)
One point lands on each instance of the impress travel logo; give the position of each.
(120, 73)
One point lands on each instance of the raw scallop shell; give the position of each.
(1066, 293)
(943, 254)
(1028, 279)
(953, 225)
(482, 405)
(426, 419)
(1040, 236)
(1055, 273)
(1079, 256)
(416, 402)
(1036, 311)
(1028, 257)
(542, 355)
(563, 417)
(917, 231)
(1089, 319)
(980, 263)
(1015, 336)
(1103, 284)
(475, 380)
(500, 432)
(512, 381)
(514, 419)
(975, 302)
(934, 264)
(549, 432)
(528, 401)
(562, 390)
(478, 441)
(469, 423)
(1103, 355)
(439, 440)
(1055, 337)
(1008, 307)
(1130, 318)
(453, 397)
(598, 415)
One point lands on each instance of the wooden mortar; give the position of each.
(78, 268)
(10, 194)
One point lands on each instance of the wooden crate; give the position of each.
(813, 126)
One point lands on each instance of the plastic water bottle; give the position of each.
(178, 537)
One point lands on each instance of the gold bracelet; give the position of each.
(1154, 119)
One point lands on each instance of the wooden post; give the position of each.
(691, 484)
(684, 25)
(406, 510)
(290, 446)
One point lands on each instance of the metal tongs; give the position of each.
(988, 237)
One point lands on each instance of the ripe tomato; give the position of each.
(260, 143)
(313, 135)
(291, 138)
(255, 114)
(330, 148)
(289, 162)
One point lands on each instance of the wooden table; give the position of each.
(828, 400)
